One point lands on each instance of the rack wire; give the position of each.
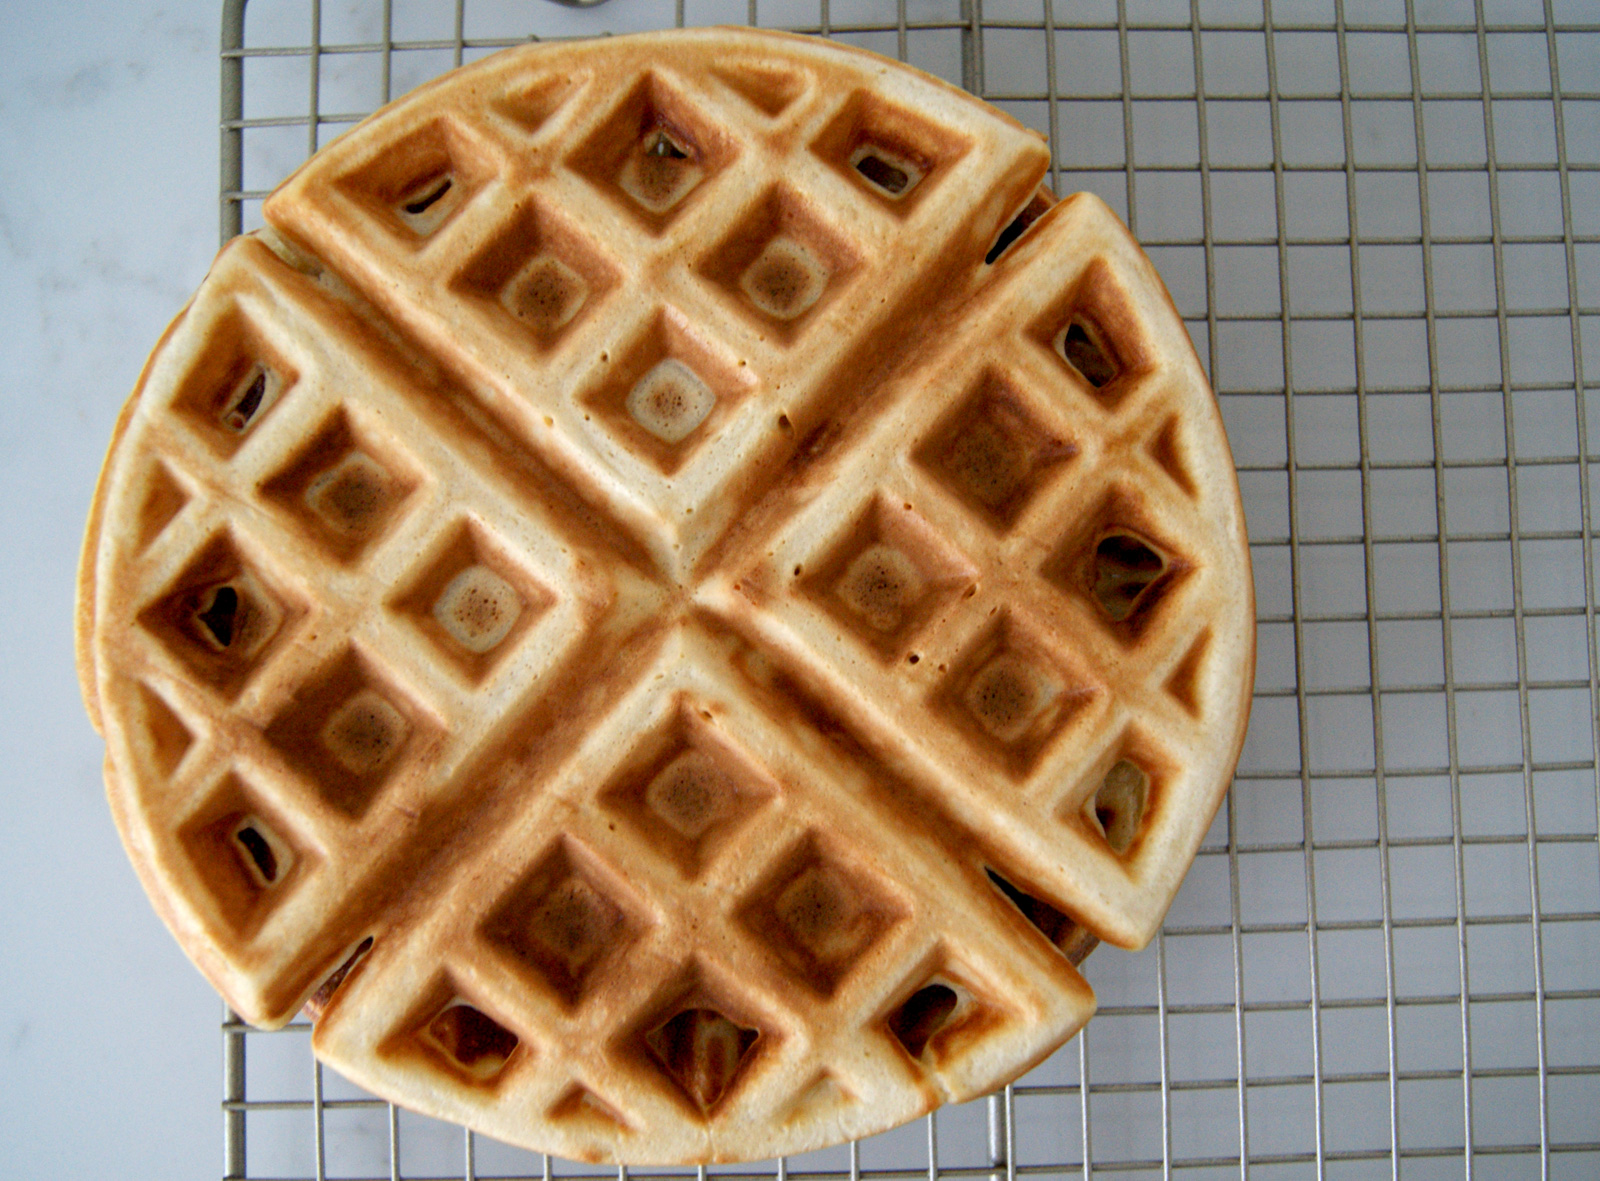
(1380, 220)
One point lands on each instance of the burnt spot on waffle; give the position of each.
(668, 392)
(1013, 694)
(889, 151)
(419, 184)
(472, 599)
(818, 916)
(994, 451)
(342, 488)
(539, 274)
(653, 152)
(782, 263)
(349, 732)
(220, 617)
(471, 1043)
(888, 576)
(1064, 933)
(1115, 562)
(234, 382)
(688, 789)
(1095, 336)
(245, 854)
(567, 921)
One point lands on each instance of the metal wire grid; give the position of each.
(1381, 221)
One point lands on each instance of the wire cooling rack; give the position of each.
(1381, 222)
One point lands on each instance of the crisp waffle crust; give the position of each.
(628, 603)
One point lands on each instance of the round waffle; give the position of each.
(668, 599)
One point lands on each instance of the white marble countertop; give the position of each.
(110, 1060)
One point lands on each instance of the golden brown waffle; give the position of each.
(647, 606)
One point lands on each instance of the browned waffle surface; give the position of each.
(632, 606)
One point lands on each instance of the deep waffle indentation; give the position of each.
(653, 152)
(702, 1035)
(702, 1050)
(1169, 448)
(420, 183)
(769, 89)
(470, 1041)
(532, 104)
(472, 599)
(781, 263)
(1117, 564)
(1012, 693)
(888, 577)
(236, 380)
(1095, 335)
(940, 1016)
(581, 1106)
(567, 920)
(994, 452)
(220, 617)
(1123, 794)
(343, 489)
(888, 150)
(349, 732)
(168, 736)
(668, 393)
(882, 585)
(670, 401)
(1080, 344)
(923, 1014)
(539, 273)
(244, 853)
(1118, 807)
(162, 501)
(1125, 568)
(818, 916)
(688, 789)
(1186, 682)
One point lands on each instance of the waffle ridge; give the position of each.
(614, 601)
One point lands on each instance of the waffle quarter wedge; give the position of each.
(669, 597)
